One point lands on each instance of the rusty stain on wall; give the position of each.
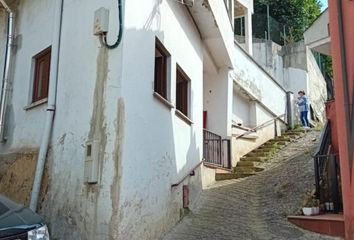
(97, 132)
(97, 124)
(117, 158)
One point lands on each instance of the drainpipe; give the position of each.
(6, 82)
(51, 105)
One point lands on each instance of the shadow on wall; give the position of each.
(154, 155)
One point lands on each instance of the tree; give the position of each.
(297, 15)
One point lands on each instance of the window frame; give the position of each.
(185, 109)
(43, 56)
(162, 85)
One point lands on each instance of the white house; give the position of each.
(117, 124)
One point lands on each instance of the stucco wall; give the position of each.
(266, 100)
(242, 146)
(159, 148)
(317, 88)
(259, 85)
(107, 97)
(218, 102)
(295, 68)
(34, 35)
(241, 110)
(267, 54)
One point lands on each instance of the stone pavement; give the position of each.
(255, 208)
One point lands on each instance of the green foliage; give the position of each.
(310, 200)
(274, 149)
(297, 15)
(328, 66)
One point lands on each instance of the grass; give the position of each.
(318, 127)
(274, 149)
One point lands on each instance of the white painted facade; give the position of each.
(259, 102)
(106, 98)
(317, 36)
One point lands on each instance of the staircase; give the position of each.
(247, 166)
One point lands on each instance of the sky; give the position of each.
(324, 4)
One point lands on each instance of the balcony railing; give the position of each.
(217, 151)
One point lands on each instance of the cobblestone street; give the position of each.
(256, 207)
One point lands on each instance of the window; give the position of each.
(161, 70)
(182, 92)
(41, 75)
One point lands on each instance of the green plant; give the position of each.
(318, 126)
(311, 200)
(273, 150)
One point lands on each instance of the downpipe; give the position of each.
(6, 82)
(51, 106)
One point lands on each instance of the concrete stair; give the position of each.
(247, 166)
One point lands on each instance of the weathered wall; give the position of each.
(242, 146)
(24, 128)
(295, 68)
(218, 102)
(17, 173)
(241, 110)
(257, 83)
(317, 88)
(265, 100)
(267, 54)
(159, 147)
(107, 97)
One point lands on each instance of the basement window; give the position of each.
(162, 62)
(182, 92)
(41, 75)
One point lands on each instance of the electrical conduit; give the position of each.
(51, 105)
(120, 31)
(6, 83)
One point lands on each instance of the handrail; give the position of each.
(263, 70)
(191, 173)
(257, 100)
(324, 138)
(259, 126)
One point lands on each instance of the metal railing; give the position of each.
(327, 182)
(217, 151)
(327, 174)
(263, 125)
(228, 6)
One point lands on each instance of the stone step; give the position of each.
(257, 154)
(266, 148)
(278, 140)
(248, 169)
(271, 143)
(229, 176)
(297, 131)
(254, 159)
(287, 138)
(245, 164)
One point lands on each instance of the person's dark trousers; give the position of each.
(304, 120)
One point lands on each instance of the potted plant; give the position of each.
(311, 205)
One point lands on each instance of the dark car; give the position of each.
(20, 223)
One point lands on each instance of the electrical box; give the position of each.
(101, 21)
(92, 162)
